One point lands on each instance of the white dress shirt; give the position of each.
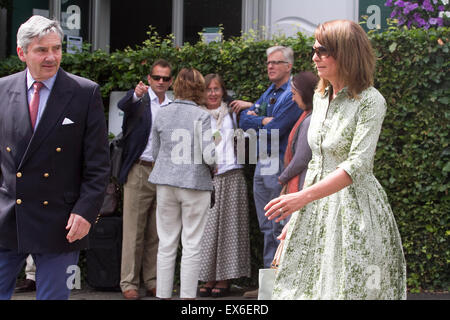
(155, 107)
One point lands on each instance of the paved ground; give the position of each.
(236, 294)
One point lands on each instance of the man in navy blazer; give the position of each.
(54, 159)
(140, 239)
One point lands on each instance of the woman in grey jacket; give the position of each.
(183, 150)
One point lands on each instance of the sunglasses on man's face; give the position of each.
(157, 78)
(321, 52)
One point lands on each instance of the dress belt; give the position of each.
(145, 163)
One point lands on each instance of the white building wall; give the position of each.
(291, 16)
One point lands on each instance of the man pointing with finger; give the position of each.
(54, 163)
(140, 239)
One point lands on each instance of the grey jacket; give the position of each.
(301, 155)
(182, 147)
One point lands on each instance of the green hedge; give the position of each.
(413, 156)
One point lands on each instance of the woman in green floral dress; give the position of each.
(342, 241)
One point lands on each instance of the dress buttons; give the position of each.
(19, 174)
(8, 149)
(46, 175)
(19, 201)
(45, 203)
(58, 149)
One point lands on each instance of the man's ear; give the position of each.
(290, 66)
(21, 54)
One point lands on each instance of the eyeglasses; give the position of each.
(321, 52)
(214, 90)
(276, 62)
(157, 78)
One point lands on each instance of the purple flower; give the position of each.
(418, 18)
(394, 13)
(427, 6)
(410, 7)
(438, 21)
(420, 13)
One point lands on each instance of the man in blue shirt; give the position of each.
(272, 117)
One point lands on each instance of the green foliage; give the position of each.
(413, 156)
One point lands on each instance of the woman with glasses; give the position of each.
(342, 241)
(226, 242)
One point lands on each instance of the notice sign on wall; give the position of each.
(211, 34)
(74, 44)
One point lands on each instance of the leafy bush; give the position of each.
(413, 156)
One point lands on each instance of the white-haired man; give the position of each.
(272, 117)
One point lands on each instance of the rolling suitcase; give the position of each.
(103, 258)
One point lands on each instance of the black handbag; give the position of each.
(116, 151)
(111, 200)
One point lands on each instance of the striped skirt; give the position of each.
(226, 241)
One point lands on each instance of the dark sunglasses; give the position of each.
(157, 78)
(321, 52)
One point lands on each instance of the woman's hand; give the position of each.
(282, 236)
(285, 205)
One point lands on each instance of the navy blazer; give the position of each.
(61, 168)
(137, 115)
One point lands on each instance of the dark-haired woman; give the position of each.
(298, 152)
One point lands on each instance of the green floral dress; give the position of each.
(346, 245)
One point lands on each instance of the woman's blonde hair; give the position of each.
(190, 85)
(348, 43)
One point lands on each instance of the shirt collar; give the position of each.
(153, 96)
(283, 87)
(47, 83)
(328, 90)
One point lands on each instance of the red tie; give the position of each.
(34, 104)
